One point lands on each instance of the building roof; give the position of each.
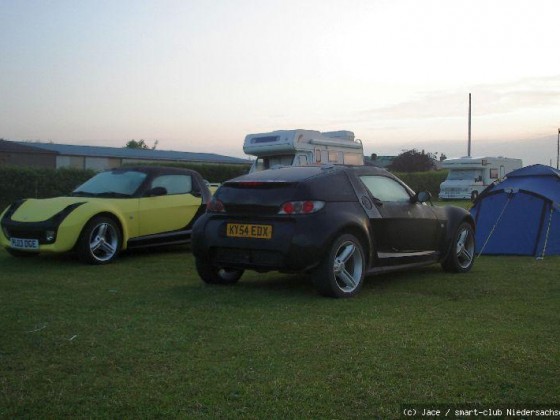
(126, 153)
(16, 147)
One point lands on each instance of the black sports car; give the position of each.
(337, 223)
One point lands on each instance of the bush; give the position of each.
(413, 161)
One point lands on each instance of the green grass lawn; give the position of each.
(144, 337)
(466, 204)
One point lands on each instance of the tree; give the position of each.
(140, 144)
(413, 161)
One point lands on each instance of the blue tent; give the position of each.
(521, 214)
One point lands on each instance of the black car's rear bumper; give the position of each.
(297, 243)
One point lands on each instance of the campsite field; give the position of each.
(143, 337)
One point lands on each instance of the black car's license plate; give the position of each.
(242, 230)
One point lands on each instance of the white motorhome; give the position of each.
(469, 176)
(303, 148)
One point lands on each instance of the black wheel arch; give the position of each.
(361, 230)
(455, 217)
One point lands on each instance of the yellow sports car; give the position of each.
(113, 211)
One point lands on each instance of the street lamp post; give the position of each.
(469, 145)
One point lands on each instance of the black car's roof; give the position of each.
(301, 173)
(283, 174)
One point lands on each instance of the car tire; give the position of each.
(100, 241)
(460, 257)
(212, 274)
(21, 254)
(341, 273)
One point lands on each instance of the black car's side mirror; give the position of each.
(156, 191)
(423, 197)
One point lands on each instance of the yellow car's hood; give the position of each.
(38, 210)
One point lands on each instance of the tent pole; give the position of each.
(558, 150)
(495, 225)
(547, 232)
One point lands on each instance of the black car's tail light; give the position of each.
(301, 207)
(215, 206)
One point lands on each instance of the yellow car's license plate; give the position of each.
(242, 230)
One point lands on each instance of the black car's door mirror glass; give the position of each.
(423, 197)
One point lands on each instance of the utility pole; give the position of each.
(469, 148)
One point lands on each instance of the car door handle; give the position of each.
(377, 201)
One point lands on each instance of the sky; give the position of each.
(198, 75)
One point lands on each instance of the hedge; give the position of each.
(20, 182)
(211, 172)
(424, 181)
(16, 183)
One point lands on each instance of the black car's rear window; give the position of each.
(267, 194)
(278, 186)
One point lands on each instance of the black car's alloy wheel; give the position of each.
(100, 241)
(460, 258)
(341, 273)
(211, 274)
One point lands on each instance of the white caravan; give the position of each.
(303, 148)
(469, 176)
